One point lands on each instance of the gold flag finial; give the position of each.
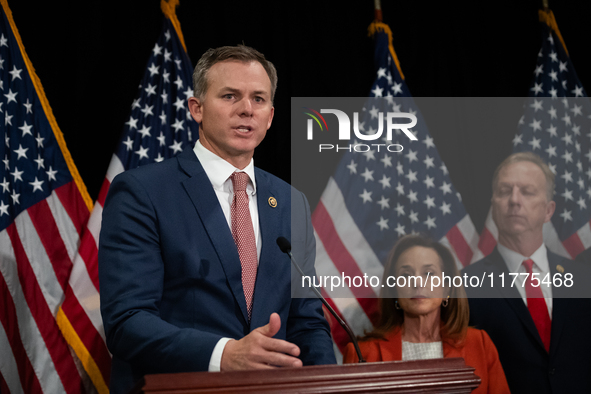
(169, 10)
(547, 16)
(382, 27)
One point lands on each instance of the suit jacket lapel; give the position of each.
(511, 295)
(203, 197)
(561, 307)
(391, 348)
(268, 272)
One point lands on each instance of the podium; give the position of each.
(447, 375)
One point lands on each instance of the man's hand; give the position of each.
(260, 350)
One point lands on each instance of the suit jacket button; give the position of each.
(552, 371)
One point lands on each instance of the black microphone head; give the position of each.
(284, 244)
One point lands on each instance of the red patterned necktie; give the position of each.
(537, 306)
(243, 233)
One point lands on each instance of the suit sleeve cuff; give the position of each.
(216, 356)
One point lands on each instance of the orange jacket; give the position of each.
(478, 352)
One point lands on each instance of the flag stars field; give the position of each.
(366, 196)
(352, 167)
(384, 203)
(37, 185)
(556, 110)
(383, 223)
(155, 137)
(412, 166)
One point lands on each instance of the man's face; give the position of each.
(236, 112)
(519, 203)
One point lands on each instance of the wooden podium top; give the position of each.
(449, 375)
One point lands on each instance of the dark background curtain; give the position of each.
(91, 55)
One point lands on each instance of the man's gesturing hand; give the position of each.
(260, 350)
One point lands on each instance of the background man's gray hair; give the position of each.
(532, 158)
(241, 53)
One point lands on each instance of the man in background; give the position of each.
(541, 334)
(191, 276)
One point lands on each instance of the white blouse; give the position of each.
(421, 351)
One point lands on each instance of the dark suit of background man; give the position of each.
(543, 343)
(172, 295)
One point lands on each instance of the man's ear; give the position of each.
(270, 118)
(550, 208)
(196, 109)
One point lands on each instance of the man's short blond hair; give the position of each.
(532, 158)
(240, 53)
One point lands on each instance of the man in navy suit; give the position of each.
(541, 332)
(173, 290)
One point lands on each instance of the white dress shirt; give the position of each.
(219, 171)
(541, 265)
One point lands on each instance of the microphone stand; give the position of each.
(285, 247)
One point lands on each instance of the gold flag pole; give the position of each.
(547, 16)
(378, 25)
(169, 9)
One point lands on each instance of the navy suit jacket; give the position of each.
(506, 319)
(170, 275)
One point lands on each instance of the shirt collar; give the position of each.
(514, 259)
(219, 170)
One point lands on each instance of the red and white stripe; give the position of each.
(37, 279)
(84, 283)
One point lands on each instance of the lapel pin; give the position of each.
(272, 202)
(560, 268)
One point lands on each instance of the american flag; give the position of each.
(376, 197)
(51, 337)
(556, 125)
(159, 125)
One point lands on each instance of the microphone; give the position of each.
(285, 247)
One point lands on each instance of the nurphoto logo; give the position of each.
(344, 129)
